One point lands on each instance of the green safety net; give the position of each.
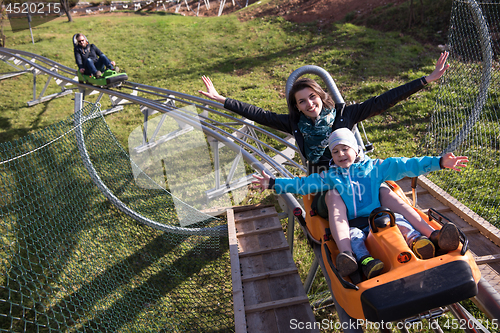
(74, 262)
(466, 116)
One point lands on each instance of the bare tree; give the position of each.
(2, 36)
(412, 15)
(410, 20)
(65, 6)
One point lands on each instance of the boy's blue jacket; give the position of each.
(359, 184)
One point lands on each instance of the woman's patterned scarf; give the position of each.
(316, 133)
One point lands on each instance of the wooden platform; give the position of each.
(484, 238)
(267, 291)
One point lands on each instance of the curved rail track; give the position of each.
(242, 136)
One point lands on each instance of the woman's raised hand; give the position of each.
(441, 67)
(211, 91)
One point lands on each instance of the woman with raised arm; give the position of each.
(312, 117)
(358, 181)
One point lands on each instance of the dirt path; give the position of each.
(324, 11)
(300, 11)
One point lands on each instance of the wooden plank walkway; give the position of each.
(267, 291)
(268, 294)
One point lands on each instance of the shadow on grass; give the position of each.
(73, 260)
(43, 195)
(173, 282)
(356, 65)
(146, 13)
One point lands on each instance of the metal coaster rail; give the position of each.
(154, 104)
(39, 64)
(223, 132)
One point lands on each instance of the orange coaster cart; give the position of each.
(407, 286)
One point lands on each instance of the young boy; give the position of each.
(358, 183)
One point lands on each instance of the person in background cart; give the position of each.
(89, 59)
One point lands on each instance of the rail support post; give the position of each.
(41, 98)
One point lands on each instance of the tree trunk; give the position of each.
(2, 36)
(67, 10)
(411, 14)
(422, 12)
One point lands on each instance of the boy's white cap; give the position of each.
(343, 136)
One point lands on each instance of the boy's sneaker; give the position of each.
(98, 74)
(117, 69)
(447, 238)
(346, 263)
(371, 267)
(423, 248)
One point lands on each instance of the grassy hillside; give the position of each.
(246, 60)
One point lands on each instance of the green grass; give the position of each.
(246, 60)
